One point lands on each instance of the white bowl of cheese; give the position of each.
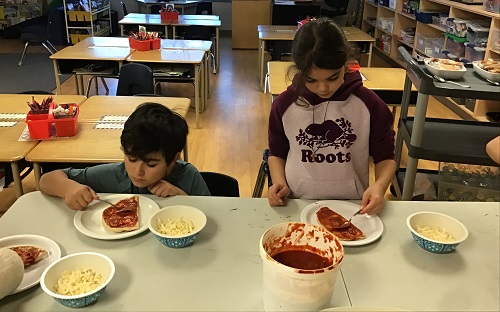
(177, 226)
(79, 279)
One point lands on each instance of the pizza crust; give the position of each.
(120, 229)
(329, 219)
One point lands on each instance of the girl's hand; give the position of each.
(79, 196)
(276, 194)
(164, 189)
(373, 200)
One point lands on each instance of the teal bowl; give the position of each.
(98, 263)
(436, 220)
(187, 213)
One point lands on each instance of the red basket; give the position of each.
(155, 44)
(169, 16)
(139, 45)
(39, 125)
(66, 126)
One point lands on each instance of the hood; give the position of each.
(352, 81)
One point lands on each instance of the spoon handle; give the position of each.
(458, 84)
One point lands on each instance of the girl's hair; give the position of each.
(320, 43)
(153, 128)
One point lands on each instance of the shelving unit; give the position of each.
(85, 19)
(17, 11)
(436, 139)
(374, 11)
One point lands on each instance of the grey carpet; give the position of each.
(36, 73)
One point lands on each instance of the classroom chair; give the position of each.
(37, 34)
(195, 32)
(204, 7)
(220, 184)
(135, 78)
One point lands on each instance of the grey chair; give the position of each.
(262, 175)
(220, 184)
(135, 78)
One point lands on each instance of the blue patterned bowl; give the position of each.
(186, 213)
(98, 263)
(436, 220)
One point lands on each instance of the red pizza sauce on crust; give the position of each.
(118, 219)
(329, 219)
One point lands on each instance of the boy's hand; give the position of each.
(79, 196)
(164, 189)
(373, 200)
(277, 192)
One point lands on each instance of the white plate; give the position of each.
(33, 273)
(89, 221)
(371, 226)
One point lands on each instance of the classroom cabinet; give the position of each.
(87, 18)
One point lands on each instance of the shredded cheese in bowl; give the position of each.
(436, 234)
(175, 227)
(78, 282)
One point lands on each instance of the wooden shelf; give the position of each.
(372, 4)
(387, 8)
(403, 42)
(373, 23)
(410, 16)
(384, 31)
(437, 27)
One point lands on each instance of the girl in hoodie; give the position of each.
(325, 127)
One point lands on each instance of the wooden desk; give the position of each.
(287, 33)
(181, 16)
(145, 5)
(13, 150)
(183, 21)
(92, 49)
(195, 58)
(392, 272)
(92, 145)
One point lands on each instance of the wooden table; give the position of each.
(13, 150)
(92, 49)
(92, 145)
(145, 5)
(222, 271)
(287, 33)
(195, 58)
(388, 83)
(211, 21)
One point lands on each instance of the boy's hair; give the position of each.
(320, 43)
(153, 128)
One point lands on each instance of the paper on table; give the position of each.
(115, 118)
(101, 125)
(10, 116)
(8, 123)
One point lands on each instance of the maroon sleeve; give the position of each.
(277, 139)
(381, 129)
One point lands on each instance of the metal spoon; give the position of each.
(347, 223)
(449, 81)
(113, 205)
(493, 82)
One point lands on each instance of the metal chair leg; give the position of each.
(24, 52)
(54, 50)
(260, 181)
(105, 85)
(89, 85)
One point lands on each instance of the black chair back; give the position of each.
(204, 8)
(195, 32)
(125, 11)
(135, 78)
(333, 8)
(220, 184)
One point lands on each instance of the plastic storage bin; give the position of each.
(438, 48)
(42, 126)
(456, 27)
(425, 16)
(383, 23)
(477, 34)
(384, 2)
(492, 5)
(139, 45)
(461, 182)
(474, 53)
(392, 4)
(408, 35)
(424, 44)
(455, 46)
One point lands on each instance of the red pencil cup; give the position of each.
(169, 16)
(38, 125)
(139, 45)
(155, 44)
(66, 126)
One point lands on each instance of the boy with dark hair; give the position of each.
(152, 140)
